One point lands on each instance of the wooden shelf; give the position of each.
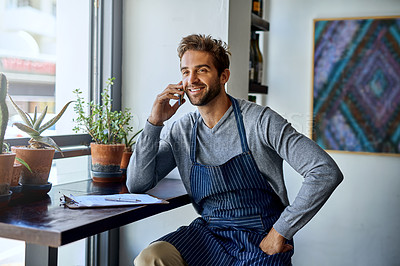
(257, 88)
(258, 24)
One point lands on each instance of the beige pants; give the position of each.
(160, 253)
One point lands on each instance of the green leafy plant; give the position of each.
(104, 125)
(129, 142)
(34, 128)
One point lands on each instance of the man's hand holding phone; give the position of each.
(162, 110)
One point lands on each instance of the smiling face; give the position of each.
(200, 77)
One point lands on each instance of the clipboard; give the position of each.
(113, 200)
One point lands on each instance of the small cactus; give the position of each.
(3, 109)
(33, 126)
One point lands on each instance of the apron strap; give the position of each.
(193, 142)
(240, 126)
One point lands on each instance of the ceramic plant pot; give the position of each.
(15, 186)
(17, 168)
(39, 160)
(106, 162)
(126, 156)
(6, 172)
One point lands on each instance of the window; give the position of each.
(48, 48)
(45, 53)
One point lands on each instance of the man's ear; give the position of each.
(224, 76)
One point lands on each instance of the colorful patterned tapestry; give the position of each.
(356, 85)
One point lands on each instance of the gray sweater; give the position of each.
(271, 140)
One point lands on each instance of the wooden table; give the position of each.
(45, 222)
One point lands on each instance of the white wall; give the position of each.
(359, 225)
(152, 32)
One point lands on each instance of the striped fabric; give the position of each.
(238, 210)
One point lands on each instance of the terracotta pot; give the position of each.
(16, 174)
(126, 156)
(6, 171)
(39, 160)
(106, 161)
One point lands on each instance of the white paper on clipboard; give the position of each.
(94, 201)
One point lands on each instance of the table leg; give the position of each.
(103, 249)
(38, 255)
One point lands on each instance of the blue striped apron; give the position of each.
(238, 206)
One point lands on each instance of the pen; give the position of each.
(180, 100)
(122, 200)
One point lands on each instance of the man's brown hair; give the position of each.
(200, 42)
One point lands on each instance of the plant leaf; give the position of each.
(137, 133)
(26, 129)
(54, 119)
(21, 113)
(23, 163)
(40, 119)
(29, 117)
(34, 116)
(4, 121)
(48, 141)
(131, 141)
(5, 148)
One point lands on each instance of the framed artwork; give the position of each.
(356, 84)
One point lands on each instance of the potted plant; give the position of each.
(6, 158)
(9, 176)
(129, 142)
(15, 186)
(40, 151)
(107, 128)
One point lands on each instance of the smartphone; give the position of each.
(180, 100)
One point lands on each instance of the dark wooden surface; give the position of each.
(45, 222)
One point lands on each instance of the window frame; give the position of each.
(105, 61)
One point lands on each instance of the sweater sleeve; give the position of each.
(151, 160)
(320, 172)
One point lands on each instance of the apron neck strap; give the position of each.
(240, 126)
(193, 142)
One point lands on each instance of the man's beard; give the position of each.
(213, 91)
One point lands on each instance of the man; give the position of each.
(229, 154)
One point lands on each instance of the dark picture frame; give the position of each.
(356, 84)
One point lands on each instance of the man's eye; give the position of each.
(185, 73)
(202, 70)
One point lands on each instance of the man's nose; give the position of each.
(193, 78)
